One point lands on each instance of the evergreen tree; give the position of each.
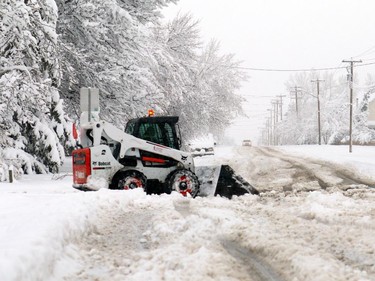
(31, 114)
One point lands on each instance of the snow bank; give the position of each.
(40, 221)
(36, 227)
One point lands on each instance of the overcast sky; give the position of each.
(283, 34)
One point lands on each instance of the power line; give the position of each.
(298, 70)
(363, 64)
(289, 70)
(257, 96)
(367, 52)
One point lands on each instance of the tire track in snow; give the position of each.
(327, 174)
(257, 268)
(272, 173)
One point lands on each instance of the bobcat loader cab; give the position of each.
(146, 155)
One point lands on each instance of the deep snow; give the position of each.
(49, 231)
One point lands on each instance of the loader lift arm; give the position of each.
(114, 137)
(127, 161)
(147, 155)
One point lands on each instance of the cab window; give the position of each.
(169, 137)
(130, 128)
(151, 132)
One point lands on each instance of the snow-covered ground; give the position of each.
(361, 159)
(314, 220)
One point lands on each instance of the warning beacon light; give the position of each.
(151, 113)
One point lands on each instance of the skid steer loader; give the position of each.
(146, 155)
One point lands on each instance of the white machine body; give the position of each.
(107, 150)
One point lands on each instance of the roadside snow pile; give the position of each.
(39, 219)
(35, 228)
(34, 235)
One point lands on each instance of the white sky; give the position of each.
(287, 34)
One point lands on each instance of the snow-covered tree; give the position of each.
(218, 78)
(199, 84)
(106, 44)
(334, 113)
(121, 48)
(31, 115)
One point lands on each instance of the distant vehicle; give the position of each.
(202, 146)
(202, 151)
(246, 143)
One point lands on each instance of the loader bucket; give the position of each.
(222, 180)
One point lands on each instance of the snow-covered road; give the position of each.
(314, 220)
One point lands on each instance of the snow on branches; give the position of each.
(29, 76)
(49, 49)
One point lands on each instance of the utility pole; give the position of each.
(264, 137)
(268, 131)
(281, 106)
(352, 62)
(319, 128)
(296, 97)
(275, 104)
(276, 109)
(270, 126)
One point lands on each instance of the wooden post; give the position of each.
(10, 172)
